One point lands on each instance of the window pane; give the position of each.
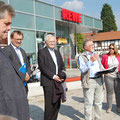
(22, 5)
(23, 21)
(58, 12)
(44, 24)
(97, 24)
(88, 21)
(6, 1)
(44, 9)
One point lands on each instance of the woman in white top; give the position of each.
(112, 81)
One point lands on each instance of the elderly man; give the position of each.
(51, 66)
(89, 65)
(13, 99)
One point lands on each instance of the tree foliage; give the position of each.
(79, 39)
(108, 18)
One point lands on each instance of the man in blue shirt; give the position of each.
(89, 65)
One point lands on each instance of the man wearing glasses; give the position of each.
(89, 65)
(18, 56)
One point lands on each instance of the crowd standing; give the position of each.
(15, 72)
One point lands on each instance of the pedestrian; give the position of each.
(13, 99)
(18, 56)
(89, 65)
(112, 82)
(51, 66)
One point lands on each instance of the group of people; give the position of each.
(93, 84)
(15, 72)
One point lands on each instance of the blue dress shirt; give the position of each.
(92, 66)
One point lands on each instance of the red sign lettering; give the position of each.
(71, 16)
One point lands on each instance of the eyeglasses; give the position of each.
(111, 48)
(18, 39)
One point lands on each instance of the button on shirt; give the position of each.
(17, 50)
(92, 66)
(52, 53)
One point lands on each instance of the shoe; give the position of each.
(108, 110)
(118, 110)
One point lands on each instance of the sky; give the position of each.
(91, 8)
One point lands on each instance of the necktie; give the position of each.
(18, 54)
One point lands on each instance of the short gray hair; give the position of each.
(47, 37)
(85, 42)
(6, 8)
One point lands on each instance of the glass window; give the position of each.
(44, 9)
(6, 1)
(97, 24)
(23, 5)
(58, 12)
(44, 24)
(23, 21)
(88, 21)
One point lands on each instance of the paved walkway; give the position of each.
(73, 109)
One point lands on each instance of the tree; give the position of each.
(79, 38)
(108, 18)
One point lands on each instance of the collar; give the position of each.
(15, 46)
(88, 53)
(51, 49)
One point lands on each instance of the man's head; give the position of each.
(16, 38)
(6, 14)
(50, 41)
(88, 45)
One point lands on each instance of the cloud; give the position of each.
(73, 5)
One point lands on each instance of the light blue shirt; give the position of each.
(92, 66)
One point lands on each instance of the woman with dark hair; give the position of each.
(112, 81)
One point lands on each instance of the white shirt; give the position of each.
(52, 53)
(20, 54)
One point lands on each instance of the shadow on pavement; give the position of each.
(71, 112)
(36, 113)
(78, 99)
(114, 108)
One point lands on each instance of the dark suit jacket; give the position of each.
(13, 99)
(10, 52)
(47, 66)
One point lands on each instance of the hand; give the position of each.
(57, 78)
(94, 58)
(27, 77)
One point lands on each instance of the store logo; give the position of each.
(71, 16)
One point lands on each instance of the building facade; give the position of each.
(103, 40)
(36, 19)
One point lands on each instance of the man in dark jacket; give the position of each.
(13, 99)
(51, 65)
(18, 56)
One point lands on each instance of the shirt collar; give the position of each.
(88, 53)
(50, 49)
(15, 46)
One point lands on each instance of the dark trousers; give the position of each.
(51, 110)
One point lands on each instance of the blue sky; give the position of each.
(89, 7)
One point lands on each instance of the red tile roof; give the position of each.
(113, 35)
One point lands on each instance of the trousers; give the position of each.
(112, 85)
(93, 94)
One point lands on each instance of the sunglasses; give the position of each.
(111, 48)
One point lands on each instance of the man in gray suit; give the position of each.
(13, 98)
(18, 56)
